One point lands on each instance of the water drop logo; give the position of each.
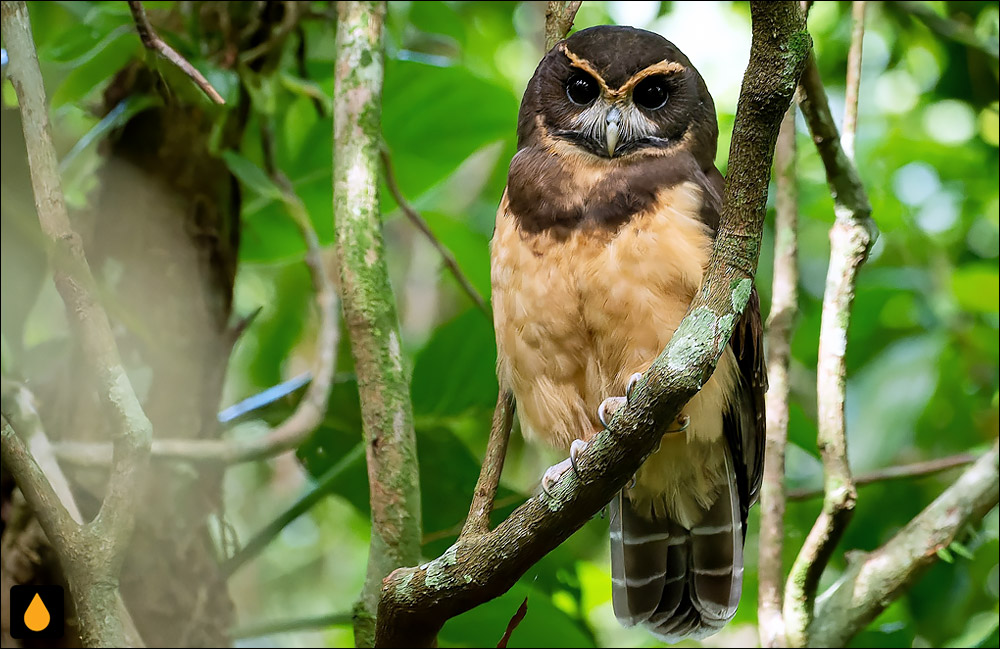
(37, 616)
(36, 612)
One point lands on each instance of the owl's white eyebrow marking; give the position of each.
(661, 67)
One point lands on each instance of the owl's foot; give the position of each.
(611, 405)
(557, 471)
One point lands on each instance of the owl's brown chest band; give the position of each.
(558, 193)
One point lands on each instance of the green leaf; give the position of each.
(545, 624)
(978, 630)
(91, 72)
(456, 370)
(251, 176)
(977, 288)
(433, 118)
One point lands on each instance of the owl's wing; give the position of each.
(743, 424)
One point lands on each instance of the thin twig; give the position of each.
(370, 308)
(519, 614)
(948, 27)
(853, 77)
(851, 237)
(902, 472)
(93, 558)
(417, 601)
(875, 580)
(421, 224)
(289, 626)
(780, 324)
(478, 521)
(151, 41)
(559, 17)
(319, 491)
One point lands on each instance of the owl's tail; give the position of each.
(676, 582)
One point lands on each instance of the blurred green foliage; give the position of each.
(923, 345)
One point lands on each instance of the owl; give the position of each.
(602, 237)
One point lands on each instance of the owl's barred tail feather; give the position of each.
(676, 582)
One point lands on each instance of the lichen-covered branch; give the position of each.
(559, 17)
(151, 41)
(878, 578)
(369, 306)
(93, 557)
(780, 322)
(417, 601)
(851, 237)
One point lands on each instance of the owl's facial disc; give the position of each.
(614, 123)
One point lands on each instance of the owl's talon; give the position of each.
(574, 450)
(632, 380)
(553, 474)
(602, 410)
(684, 422)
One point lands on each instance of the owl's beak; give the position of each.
(611, 129)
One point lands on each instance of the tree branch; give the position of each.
(478, 521)
(19, 410)
(875, 580)
(369, 307)
(421, 224)
(853, 77)
(417, 601)
(948, 28)
(850, 239)
(559, 17)
(56, 519)
(780, 323)
(153, 42)
(93, 557)
(915, 470)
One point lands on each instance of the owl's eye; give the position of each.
(651, 93)
(581, 88)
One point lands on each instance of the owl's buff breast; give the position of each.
(578, 313)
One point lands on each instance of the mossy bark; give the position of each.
(370, 308)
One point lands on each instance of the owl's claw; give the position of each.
(632, 380)
(555, 472)
(609, 407)
(684, 422)
(574, 450)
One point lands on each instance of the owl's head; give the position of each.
(618, 93)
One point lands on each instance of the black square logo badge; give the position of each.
(36, 612)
